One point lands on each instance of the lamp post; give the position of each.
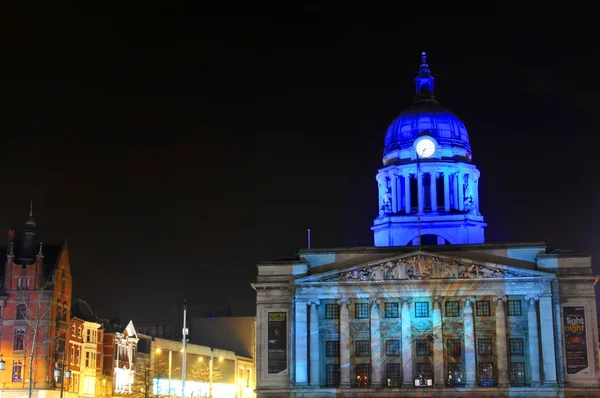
(58, 371)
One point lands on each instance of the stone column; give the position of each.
(301, 343)
(446, 192)
(407, 363)
(461, 190)
(470, 371)
(420, 193)
(501, 348)
(438, 343)
(315, 357)
(382, 186)
(395, 195)
(559, 342)
(476, 193)
(344, 343)
(407, 193)
(548, 352)
(534, 344)
(375, 345)
(433, 191)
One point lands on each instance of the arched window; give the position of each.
(19, 343)
(21, 312)
(58, 311)
(65, 308)
(62, 287)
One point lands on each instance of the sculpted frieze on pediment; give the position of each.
(420, 268)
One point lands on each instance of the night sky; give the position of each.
(176, 148)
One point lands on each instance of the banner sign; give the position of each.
(575, 342)
(277, 342)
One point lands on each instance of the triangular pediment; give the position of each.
(424, 266)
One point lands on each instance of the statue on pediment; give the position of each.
(389, 271)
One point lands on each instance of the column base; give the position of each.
(536, 384)
(315, 384)
(503, 384)
(408, 384)
(438, 384)
(344, 385)
(550, 384)
(302, 384)
(375, 385)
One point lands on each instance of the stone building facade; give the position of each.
(431, 308)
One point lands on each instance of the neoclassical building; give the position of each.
(431, 309)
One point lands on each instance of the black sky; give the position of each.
(176, 148)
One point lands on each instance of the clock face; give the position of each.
(425, 148)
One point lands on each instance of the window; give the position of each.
(455, 375)
(65, 307)
(63, 284)
(514, 308)
(73, 329)
(19, 342)
(482, 308)
(23, 283)
(363, 348)
(78, 355)
(392, 348)
(72, 354)
(1, 311)
(363, 371)
(392, 374)
(391, 310)
(332, 348)
(516, 347)
(452, 309)
(88, 337)
(332, 311)
(87, 359)
(423, 348)
(424, 370)
(17, 371)
(486, 374)
(58, 312)
(361, 310)
(517, 374)
(421, 309)
(454, 347)
(332, 374)
(484, 346)
(21, 312)
(79, 331)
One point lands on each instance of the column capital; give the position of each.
(437, 302)
(500, 300)
(405, 300)
(532, 298)
(313, 302)
(468, 300)
(435, 174)
(345, 301)
(374, 301)
(301, 301)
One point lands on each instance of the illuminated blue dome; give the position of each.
(426, 116)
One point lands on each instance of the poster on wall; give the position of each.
(277, 342)
(575, 344)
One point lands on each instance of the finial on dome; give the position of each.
(424, 81)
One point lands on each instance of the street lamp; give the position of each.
(58, 372)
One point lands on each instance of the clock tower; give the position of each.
(428, 187)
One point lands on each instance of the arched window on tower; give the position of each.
(58, 311)
(65, 313)
(64, 283)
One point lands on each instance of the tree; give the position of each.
(148, 375)
(200, 372)
(37, 315)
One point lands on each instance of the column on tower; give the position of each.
(301, 320)
(382, 185)
(461, 190)
(314, 344)
(375, 344)
(406, 193)
(344, 343)
(534, 350)
(420, 195)
(469, 342)
(407, 363)
(501, 349)
(476, 193)
(446, 192)
(433, 190)
(395, 195)
(438, 343)
(548, 352)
